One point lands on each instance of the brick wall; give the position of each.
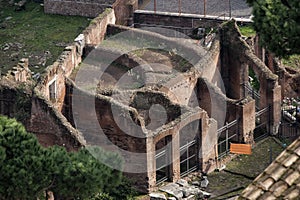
(72, 7)
(51, 127)
(237, 58)
(88, 8)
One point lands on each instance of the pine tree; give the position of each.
(22, 163)
(28, 170)
(278, 25)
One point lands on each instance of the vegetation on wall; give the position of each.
(247, 30)
(292, 61)
(28, 170)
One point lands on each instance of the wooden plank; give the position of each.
(240, 148)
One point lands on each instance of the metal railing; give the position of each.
(262, 122)
(186, 166)
(249, 91)
(227, 134)
(161, 167)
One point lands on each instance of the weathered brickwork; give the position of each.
(187, 99)
(92, 8)
(237, 58)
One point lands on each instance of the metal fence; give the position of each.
(188, 158)
(262, 122)
(289, 130)
(290, 123)
(161, 166)
(249, 91)
(165, 30)
(227, 134)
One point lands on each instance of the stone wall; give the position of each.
(125, 127)
(95, 32)
(7, 96)
(289, 79)
(51, 127)
(237, 58)
(123, 10)
(71, 57)
(85, 8)
(38, 115)
(165, 19)
(107, 124)
(21, 72)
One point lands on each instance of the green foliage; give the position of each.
(292, 61)
(123, 190)
(278, 25)
(23, 164)
(27, 169)
(247, 31)
(255, 82)
(81, 172)
(101, 196)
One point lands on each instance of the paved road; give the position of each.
(239, 8)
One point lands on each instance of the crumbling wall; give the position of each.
(110, 125)
(15, 99)
(21, 72)
(70, 58)
(95, 32)
(237, 57)
(38, 116)
(123, 10)
(289, 79)
(55, 74)
(51, 127)
(87, 8)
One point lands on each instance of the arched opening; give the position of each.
(190, 137)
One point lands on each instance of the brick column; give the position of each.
(175, 169)
(209, 141)
(246, 113)
(151, 163)
(274, 100)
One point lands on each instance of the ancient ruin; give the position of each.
(164, 96)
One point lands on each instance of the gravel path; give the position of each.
(239, 8)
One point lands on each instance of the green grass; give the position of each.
(247, 31)
(292, 61)
(249, 165)
(36, 32)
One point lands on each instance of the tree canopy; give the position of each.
(28, 170)
(278, 25)
(22, 162)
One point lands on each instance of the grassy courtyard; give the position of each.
(32, 34)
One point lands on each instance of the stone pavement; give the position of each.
(239, 8)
